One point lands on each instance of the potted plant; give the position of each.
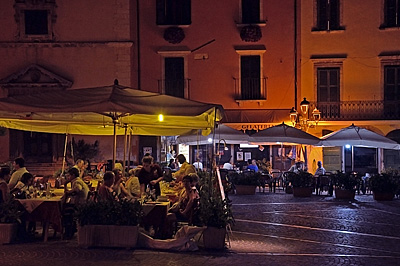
(302, 183)
(215, 213)
(384, 185)
(345, 185)
(10, 214)
(109, 223)
(246, 182)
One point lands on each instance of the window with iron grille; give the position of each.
(250, 79)
(174, 83)
(173, 12)
(328, 15)
(392, 13)
(35, 19)
(328, 91)
(392, 82)
(36, 22)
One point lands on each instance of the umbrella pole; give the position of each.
(352, 158)
(125, 142)
(115, 143)
(129, 150)
(65, 153)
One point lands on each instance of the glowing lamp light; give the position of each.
(347, 146)
(160, 117)
(209, 140)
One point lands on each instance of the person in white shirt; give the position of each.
(19, 166)
(228, 166)
(320, 170)
(198, 165)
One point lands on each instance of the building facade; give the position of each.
(257, 58)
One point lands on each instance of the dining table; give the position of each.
(46, 210)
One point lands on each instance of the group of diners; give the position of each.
(141, 181)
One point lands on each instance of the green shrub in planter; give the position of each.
(301, 179)
(123, 212)
(386, 183)
(344, 180)
(214, 211)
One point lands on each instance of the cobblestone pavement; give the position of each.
(270, 229)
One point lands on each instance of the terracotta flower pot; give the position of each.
(383, 196)
(107, 236)
(345, 193)
(214, 238)
(302, 191)
(8, 232)
(245, 190)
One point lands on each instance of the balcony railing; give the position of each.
(174, 87)
(250, 88)
(358, 110)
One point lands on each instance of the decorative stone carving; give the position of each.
(34, 78)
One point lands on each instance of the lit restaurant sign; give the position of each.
(256, 127)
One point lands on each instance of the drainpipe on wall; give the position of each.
(295, 53)
(138, 45)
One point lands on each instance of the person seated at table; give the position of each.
(106, 190)
(133, 184)
(184, 170)
(119, 184)
(189, 200)
(24, 189)
(252, 165)
(172, 164)
(72, 198)
(150, 175)
(19, 167)
(320, 170)
(297, 167)
(79, 189)
(4, 177)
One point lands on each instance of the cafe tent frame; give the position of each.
(222, 132)
(108, 110)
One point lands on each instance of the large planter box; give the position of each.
(107, 236)
(345, 194)
(302, 191)
(214, 238)
(245, 190)
(8, 233)
(383, 196)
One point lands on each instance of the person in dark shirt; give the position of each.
(150, 175)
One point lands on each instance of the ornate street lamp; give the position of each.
(301, 120)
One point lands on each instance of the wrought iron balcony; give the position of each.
(250, 88)
(358, 110)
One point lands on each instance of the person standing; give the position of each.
(184, 170)
(198, 165)
(320, 170)
(19, 166)
(150, 175)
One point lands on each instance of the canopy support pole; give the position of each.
(125, 142)
(115, 121)
(129, 150)
(65, 153)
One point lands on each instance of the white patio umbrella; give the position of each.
(359, 137)
(283, 134)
